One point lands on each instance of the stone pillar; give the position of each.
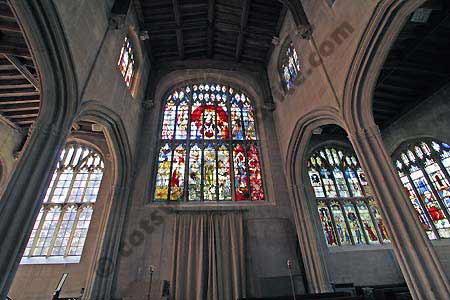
(102, 277)
(415, 254)
(21, 201)
(312, 255)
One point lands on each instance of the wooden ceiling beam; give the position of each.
(23, 70)
(177, 15)
(12, 27)
(211, 18)
(19, 101)
(243, 25)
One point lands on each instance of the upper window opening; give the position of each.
(348, 212)
(209, 147)
(424, 167)
(63, 221)
(127, 63)
(290, 66)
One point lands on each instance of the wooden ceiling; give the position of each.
(225, 30)
(418, 64)
(19, 88)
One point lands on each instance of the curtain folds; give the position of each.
(209, 262)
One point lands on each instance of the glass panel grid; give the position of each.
(75, 181)
(209, 147)
(347, 211)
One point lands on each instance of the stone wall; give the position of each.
(10, 140)
(270, 233)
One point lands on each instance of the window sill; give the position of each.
(51, 260)
(359, 248)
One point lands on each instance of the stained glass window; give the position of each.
(423, 167)
(209, 148)
(126, 62)
(290, 66)
(347, 210)
(63, 221)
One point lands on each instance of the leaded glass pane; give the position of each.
(340, 185)
(126, 61)
(327, 224)
(75, 181)
(290, 66)
(215, 127)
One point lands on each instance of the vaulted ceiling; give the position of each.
(19, 87)
(418, 63)
(224, 30)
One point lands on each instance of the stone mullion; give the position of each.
(188, 150)
(73, 230)
(55, 233)
(422, 204)
(230, 147)
(415, 255)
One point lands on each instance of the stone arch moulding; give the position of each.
(102, 274)
(250, 85)
(312, 252)
(415, 255)
(45, 37)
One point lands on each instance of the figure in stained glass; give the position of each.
(339, 183)
(209, 148)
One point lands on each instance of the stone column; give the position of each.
(415, 254)
(312, 257)
(21, 201)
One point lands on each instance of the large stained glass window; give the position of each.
(63, 221)
(347, 210)
(290, 66)
(424, 167)
(209, 147)
(126, 62)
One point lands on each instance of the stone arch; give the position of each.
(102, 274)
(59, 101)
(317, 276)
(420, 266)
(386, 23)
(250, 85)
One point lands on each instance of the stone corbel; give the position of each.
(148, 104)
(269, 106)
(304, 32)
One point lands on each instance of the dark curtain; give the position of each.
(209, 262)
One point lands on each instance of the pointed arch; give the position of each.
(59, 101)
(100, 283)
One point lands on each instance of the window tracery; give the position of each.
(423, 167)
(347, 210)
(63, 221)
(126, 62)
(209, 146)
(290, 66)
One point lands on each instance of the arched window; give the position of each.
(126, 62)
(347, 210)
(424, 167)
(209, 147)
(63, 221)
(289, 66)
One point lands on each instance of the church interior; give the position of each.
(225, 149)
